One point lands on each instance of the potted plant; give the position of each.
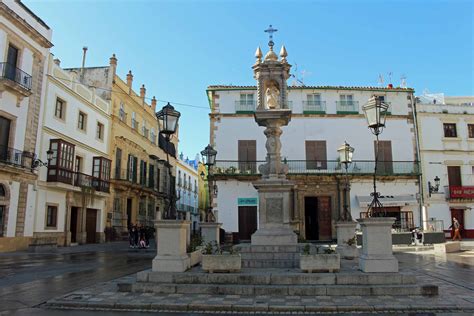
(216, 260)
(328, 260)
(194, 250)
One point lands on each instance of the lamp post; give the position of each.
(435, 188)
(209, 154)
(39, 163)
(375, 112)
(345, 158)
(168, 119)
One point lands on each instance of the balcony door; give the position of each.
(4, 137)
(12, 61)
(385, 164)
(316, 155)
(247, 155)
(454, 176)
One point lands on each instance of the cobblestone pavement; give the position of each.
(453, 274)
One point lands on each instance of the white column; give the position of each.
(346, 231)
(171, 238)
(210, 232)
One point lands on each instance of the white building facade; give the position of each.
(323, 117)
(187, 190)
(25, 41)
(446, 131)
(73, 191)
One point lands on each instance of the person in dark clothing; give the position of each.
(135, 236)
(131, 236)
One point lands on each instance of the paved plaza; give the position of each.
(451, 273)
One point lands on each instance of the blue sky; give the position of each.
(178, 48)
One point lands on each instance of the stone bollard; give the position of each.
(210, 232)
(377, 254)
(346, 231)
(171, 242)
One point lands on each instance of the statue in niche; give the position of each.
(272, 94)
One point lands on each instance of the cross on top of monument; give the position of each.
(270, 32)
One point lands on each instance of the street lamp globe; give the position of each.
(49, 155)
(345, 153)
(437, 180)
(168, 118)
(210, 155)
(375, 112)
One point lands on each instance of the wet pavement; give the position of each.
(30, 279)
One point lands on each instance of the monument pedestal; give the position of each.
(275, 205)
(377, 254)
(346, 231)
(210, 232)
(171, 238)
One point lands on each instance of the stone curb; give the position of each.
(263, 308)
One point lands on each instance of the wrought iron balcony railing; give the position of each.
(314, 107)
(347, 107)
(10, 72)
(245, 106)
(15, 157)
(133, 177)
(321, 167)
(77, 179)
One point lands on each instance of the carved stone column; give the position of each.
(275, 192)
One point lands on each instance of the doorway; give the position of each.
(73, 224)
(318, 219)
(247, 222)
(91, 224)
(129, 213)
(2, 216)
(459, 214)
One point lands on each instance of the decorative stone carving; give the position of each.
(272, 96)
(274, 210)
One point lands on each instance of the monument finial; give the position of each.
(270, 32)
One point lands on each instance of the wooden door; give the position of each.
(4, 137)
(324, 218)
(12, 60)
(454, 176)
(73, 224)
(459, 214)
(316, 155)
(385, 164)
(311, 218)
(247, 221)
(247, 155)
(2, 219)
(91, 224)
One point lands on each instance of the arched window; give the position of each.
(2, 191)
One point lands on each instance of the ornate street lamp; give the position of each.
(435, 188)
(39, 163)
(345, 158)
(168, 119)
(375, 112)
(209, 155)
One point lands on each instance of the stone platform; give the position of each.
(279, 282)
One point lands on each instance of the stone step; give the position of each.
(283, 290)
(253, 263)
(289, 278)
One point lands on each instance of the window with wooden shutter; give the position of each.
(385, 163)
(316, 154)
(454, 176)
(247, 155)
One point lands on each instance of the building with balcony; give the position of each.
(446, 131)
(140, 174)
(187, 190)
(73, 191)
(25, 41)
(323, 117)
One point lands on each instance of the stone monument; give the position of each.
(274, 190)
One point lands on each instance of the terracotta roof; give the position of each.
(232, 87)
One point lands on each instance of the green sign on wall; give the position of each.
(247, 201)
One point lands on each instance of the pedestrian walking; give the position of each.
(456, 227)
(135, 236)
(131, 236)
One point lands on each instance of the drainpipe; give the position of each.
(418, 159)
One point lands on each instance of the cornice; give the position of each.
(11, 16)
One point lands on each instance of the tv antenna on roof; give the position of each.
(381, 80)
(299, 80)
(390, 77)
(403, 81)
